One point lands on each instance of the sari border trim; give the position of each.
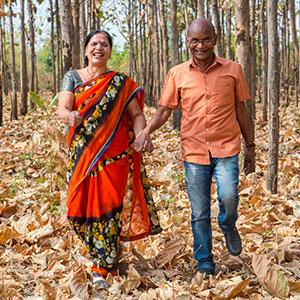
(109, 140)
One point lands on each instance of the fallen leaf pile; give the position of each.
(41, 258)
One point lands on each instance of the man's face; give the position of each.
(201, 41)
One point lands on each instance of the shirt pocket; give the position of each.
(225, 89)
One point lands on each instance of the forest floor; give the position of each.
(40, 257)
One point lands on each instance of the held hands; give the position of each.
(249, 160)
(143, 142)
(74, 118)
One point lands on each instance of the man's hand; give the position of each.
(249, 160)
(74, 118)
(143, 142)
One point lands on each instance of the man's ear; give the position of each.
(187, 41)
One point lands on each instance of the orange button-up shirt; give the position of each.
(207, 100)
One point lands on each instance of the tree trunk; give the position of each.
(14, 104)
(144, 48)
(4, 67)
(216, 16)
(253, 57)
(175, 55)
(295, 61)
(59, 73)
(66, 25)
(54, 87)
(83, 30)
(156, 51)
(285, 67)
(23, 63)
(74, 32)
(1, 75)
(273, 93)
(130, 32)
(32, 50)
(165, 48)
(149, 64)
(186, 21)
(265, 61)
(243, 47)
(228, 30)
(200, 9)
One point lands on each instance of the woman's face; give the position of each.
(98, 50)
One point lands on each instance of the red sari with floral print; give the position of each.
(108, 194)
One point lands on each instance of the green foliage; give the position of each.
(37, 99)
(44, 65)
(54, 100)
(119, 60)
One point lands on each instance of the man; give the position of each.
(211, 92)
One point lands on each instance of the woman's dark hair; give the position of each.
(90, 35)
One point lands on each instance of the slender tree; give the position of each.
(53, 60)
(14, 103)
(75, 35)
(59, 70)
(273, 95)
(66, 27)
(83, 29)
(200, 8)
(1, 76)
(243, 47)
(23, 63)
(295, 56)
(264, 61)
(253, 56)
(216, 16)
(33, 86)
(165, 46)
(156, 52)
(175, 54)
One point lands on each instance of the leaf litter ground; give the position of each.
(41, 258)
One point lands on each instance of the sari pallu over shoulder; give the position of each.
(101, 103)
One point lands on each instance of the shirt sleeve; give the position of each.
(241, 88)
(68, 83)
(170, 95)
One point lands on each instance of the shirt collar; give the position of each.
(217, 60)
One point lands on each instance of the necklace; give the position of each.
(95, 75)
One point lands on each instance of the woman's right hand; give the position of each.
(74, 118)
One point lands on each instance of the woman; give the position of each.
(108, 194)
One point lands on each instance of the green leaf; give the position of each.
(37, 99)
(54, 100)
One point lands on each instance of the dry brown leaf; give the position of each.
(48, 292)
(8, 233)
(294, 288)
(80, 285)
(170, 251)
(7, 211)
(133, 280)
(270, 277)
(235, 290)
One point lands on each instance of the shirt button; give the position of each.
(206, 129)
(207, 143)
(206, 88)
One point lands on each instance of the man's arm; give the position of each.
(247, 133)
(160, 117)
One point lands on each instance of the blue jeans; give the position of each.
(198, 181)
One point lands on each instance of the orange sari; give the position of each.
(108, 194)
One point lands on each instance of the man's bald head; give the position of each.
(201, 24)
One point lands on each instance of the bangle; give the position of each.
(249, 146)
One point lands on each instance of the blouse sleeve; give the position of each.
(68, 83)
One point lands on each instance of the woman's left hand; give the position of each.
(143, 142)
